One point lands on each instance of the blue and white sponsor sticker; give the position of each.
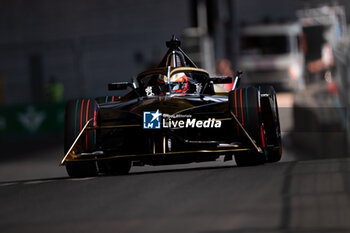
(151, 120)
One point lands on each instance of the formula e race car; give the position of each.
(172, 114)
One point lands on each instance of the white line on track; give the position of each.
(7, 184)
(37, 181)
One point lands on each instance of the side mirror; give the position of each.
(237, 79)
(119, 86)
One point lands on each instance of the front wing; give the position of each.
(70, 156)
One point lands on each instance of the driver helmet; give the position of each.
(178, 82)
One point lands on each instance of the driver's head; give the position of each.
(179, 82)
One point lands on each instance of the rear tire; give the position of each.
(271, 124)
(244, 103)
(78, 112)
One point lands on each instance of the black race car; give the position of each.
(172, 114)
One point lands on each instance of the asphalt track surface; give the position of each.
(294, 195)
(305, 196)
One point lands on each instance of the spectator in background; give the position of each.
(318, 68)
(54, 90)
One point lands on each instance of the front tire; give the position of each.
(78, 112)
(271, 124)
(245, 104)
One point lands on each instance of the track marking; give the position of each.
(29, 182)
(8, 184)
(37, 181)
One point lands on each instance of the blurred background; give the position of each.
(54, 51)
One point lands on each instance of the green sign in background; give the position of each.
(31, 119)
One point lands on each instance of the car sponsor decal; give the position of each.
(151, 120)
(156, 120)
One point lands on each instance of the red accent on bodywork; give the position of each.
(95, 113)
(95, 124)
(280, 148)
(259, 102)
(262, 136)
